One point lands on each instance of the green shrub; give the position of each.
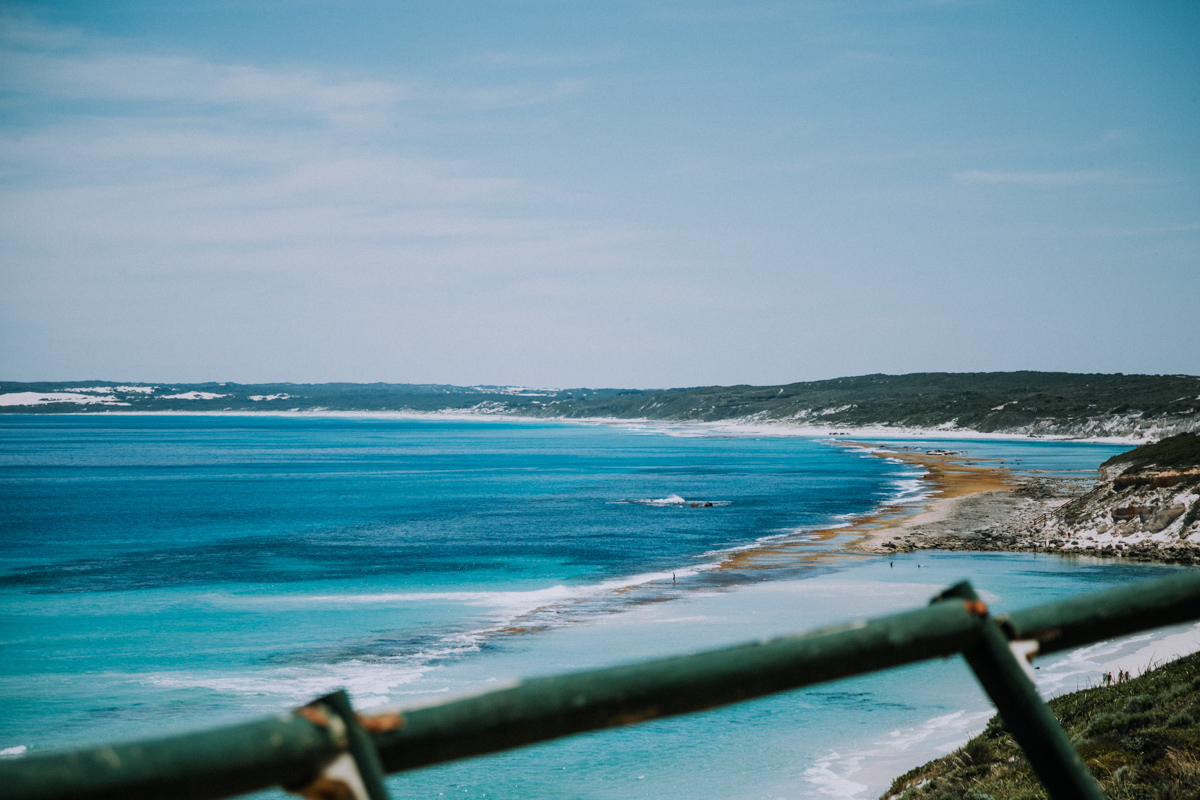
(1140, 702)
(1108, 723)
(975, 794)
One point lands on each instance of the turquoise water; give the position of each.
(163, 573)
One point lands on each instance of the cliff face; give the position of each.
(1134, 426)
(1146, 503)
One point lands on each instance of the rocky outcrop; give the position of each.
(1145, 506)
(1146, 503)
(1150, 511)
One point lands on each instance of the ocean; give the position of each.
(165, 573)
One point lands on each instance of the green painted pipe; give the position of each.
(546, 708)
(286, 750)
(1077, 621)
(1046, 745)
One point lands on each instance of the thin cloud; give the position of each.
(47, 64)
(106, 76)
(175, 163)
(1148, 231)
(1046, 179)
(522, 95)
(523, 60)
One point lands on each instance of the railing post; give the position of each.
(1035, 729)
(356, 774)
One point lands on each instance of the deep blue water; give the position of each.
(162, 573)
(133, 503)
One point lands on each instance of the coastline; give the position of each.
(960, 507)
(741, 426)
(967, 507)
(959, 497)
(987, 509)
(714, 608)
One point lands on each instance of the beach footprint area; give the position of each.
(164, 574)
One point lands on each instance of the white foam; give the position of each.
(508, 605)
(673, 500)
(9, 752)
(1133, 654)
(526, 600)
(260, 397)
(670, 500)
(828, 781)
(885, 758)
(370, 682)
(908, 490)
(373, 682)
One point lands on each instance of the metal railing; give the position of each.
(326, 750)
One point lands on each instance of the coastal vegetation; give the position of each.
(1032, 402)
(1174, 452)
(1028, 403)
(1140, 738)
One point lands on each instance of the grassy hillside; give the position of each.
(985, 401)
(1174, 452)
(1140, 738)
(1015, 402)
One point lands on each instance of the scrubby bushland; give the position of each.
(1140, 738)
(1174, 452)
(1033, 403)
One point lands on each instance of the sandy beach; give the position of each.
(974, 505)
(966, 501)
(969, 504)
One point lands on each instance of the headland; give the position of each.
(1144, 506)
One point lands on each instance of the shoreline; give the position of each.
(958, 494)
(731, 427)
(967, 507)
(961, 504)
(989, 509)
(941, 496)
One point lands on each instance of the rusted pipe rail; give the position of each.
(291, 750)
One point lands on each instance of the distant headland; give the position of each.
(1060, 404)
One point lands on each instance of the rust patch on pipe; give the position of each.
(634, 717)
(381, 723)
(976, 607)
(323, 788)
(314, 714)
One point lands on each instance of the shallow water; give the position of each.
(167, 573)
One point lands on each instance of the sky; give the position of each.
(565, 193)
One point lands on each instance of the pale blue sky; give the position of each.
(570, 193)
